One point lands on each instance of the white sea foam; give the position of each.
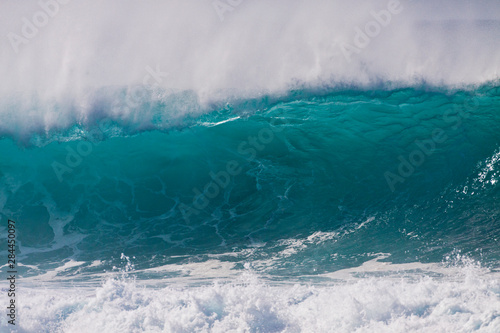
(463, 299)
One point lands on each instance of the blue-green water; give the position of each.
(408, 172)
(248, 166)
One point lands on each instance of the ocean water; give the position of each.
(292, 190)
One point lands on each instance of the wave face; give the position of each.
(323, 189)
(409, 172)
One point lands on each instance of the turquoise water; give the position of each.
(408, 172)
(242, 166)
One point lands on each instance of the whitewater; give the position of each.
(250, 166)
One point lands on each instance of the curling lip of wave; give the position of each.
(257, 49)
(107, 112)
